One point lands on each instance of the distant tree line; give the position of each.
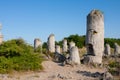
(80, 41)
(111, 41)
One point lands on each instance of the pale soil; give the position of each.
(53, 71)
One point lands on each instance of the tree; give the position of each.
(79, 40)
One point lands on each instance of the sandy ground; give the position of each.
(54, 71)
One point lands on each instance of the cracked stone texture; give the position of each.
(95, 34)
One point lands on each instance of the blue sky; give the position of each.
(31, 19)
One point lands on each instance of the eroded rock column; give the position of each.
(51, 43)
(95, 35)
(116, 49)
(1, 36)
(1, 39)
(107, 49)
(74, 55)
(71, 44)
(57, 49)
(65, 46)
(37, 43)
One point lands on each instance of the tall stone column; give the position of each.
(107, 49)
(95, 35)
(51, 43)
(65, 46)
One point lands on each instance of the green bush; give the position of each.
(38, 49)
(27, 62)
(17, 55)
(114, 64)
(15, 47)
(5, 65)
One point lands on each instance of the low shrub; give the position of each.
(114, 68)
(16, 55)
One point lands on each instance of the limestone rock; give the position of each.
(107, 49)
(59, 57)
(71, 44)
(57, 49)
(95, 35)
(74, 55)
(65, 47)
(51, 43)
(106, 76)
(1, 38)
(37, 43)
(116, 49)
(92, 59)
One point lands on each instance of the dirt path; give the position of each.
(53, 71)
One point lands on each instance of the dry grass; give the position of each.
(82, 51)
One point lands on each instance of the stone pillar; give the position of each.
(65, 47)
(57, 49)
(116, 49)
(1, 39)
(71, 44)
(107, 49)
(51, 43)
(1, 36)
(95, 35)
(37, 43)
(74, 55)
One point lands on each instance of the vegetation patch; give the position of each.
(114, 67)
(16, 55)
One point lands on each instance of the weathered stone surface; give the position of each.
(1, 38)
(116, 49)
(65, 46)
(95, 35)
(37, 43)
(74, 55)
(107, 49)
(106, 76)
(71, 44)
(92, 59)
(57, 49)
(51, 43)
(59, 57)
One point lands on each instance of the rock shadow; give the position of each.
(89, 74)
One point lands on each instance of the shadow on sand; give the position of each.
(89, 74)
